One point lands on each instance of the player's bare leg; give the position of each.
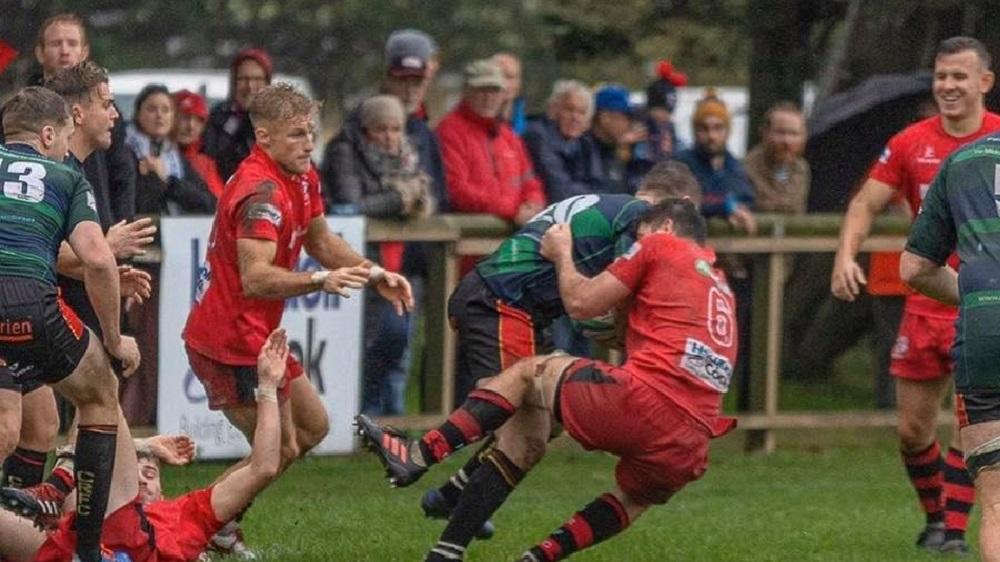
(10, 420)
(983, 463)
(39, 429)
(312, 423)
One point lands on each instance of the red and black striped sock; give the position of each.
(602, 519)
(23, 468)
(959, 495)
(483, 411)
(925, 470)
(95, 461)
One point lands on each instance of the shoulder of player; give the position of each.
(916, 131)
(54, 171)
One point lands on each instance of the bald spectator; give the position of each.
(514, 111)
(777, 170)
(229, 134)
(566, 159)
(189, 125)
(487, 166)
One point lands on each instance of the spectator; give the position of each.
(229, 134)
(614, 133)
(376, 169)
(514, 110)
(167, 183)
(661, 100)
(487, 166)
(565, 158)
(192, 114)
(778, 172)
(725, 187)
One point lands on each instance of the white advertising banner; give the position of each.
(325, 333)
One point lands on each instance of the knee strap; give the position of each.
(983, 457)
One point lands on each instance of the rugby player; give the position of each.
(502, 310)
(140, 523)
(921, 361)
(271, 209)
(961, 212)
(41, 340)
(657, 412)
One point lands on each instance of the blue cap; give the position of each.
(613, 98)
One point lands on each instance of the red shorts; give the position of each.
(182, 527)
(923, 348)
(229, 386)
(660, 447)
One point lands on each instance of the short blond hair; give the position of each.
(279, 102)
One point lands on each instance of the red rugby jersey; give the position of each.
(260, 201)
(681, 336)
(908, 164)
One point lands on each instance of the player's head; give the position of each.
(39, 117)
(676, 215)
(150, 487)
(85, 87)
(284, 124)
(669, 178)
(962, 77)
(62, 42)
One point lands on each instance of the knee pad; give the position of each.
(984, 457)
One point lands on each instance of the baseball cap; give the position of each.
(407, 52)
(613, 98)
(191, 103)
(484, 73)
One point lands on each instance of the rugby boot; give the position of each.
(435, 506)
(229, 541)
(530, 556)
(955, 547)
(393, 448)
(932, 537)
(42, 504)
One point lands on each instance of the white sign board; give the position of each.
(325, 332)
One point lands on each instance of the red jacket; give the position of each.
(487, 168)
(205, 166)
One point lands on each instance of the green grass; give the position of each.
(839, 496)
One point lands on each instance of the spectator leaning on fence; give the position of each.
(514, 110)
(778, 173)
(229, 134)
(566, 159)
(167, 184)
(189, 125)
(488, 169)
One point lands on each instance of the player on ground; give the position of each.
(272, 208)
(140, 522)
(657, 412)
(503, 308)
(921, 361)
(962, 212)
(41, 340)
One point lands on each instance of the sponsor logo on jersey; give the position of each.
(91, 202)
(703, 267)
(706, 365)
(928, 156)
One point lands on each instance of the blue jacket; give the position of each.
(722, 190)
(568, 167)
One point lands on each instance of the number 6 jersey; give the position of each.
(41, 203)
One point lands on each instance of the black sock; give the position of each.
(602, 519)
(486, 491)
(95, 461)
(452, 489)
(23, 468)
(483, 411)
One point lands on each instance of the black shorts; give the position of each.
(492, 335)
(41, 339)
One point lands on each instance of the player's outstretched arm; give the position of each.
(848, 277)
(583, 297)
(261, 279)
(936, 281)
(234, 493)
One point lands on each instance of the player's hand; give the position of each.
(526, 212)
(176, 450)
(396, 289)
(847, 278)
(129, 239)
(273, 360)
(126, 351)
(154, 164)
(557, 241)
(136, 285)
(743, 219)
(341, 280)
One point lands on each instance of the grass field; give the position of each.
(845, 500)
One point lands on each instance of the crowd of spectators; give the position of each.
(488, 154)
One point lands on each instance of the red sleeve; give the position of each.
(631, 267)
(315, 194)
(259, 213)
(889, 168)
(467, 194)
